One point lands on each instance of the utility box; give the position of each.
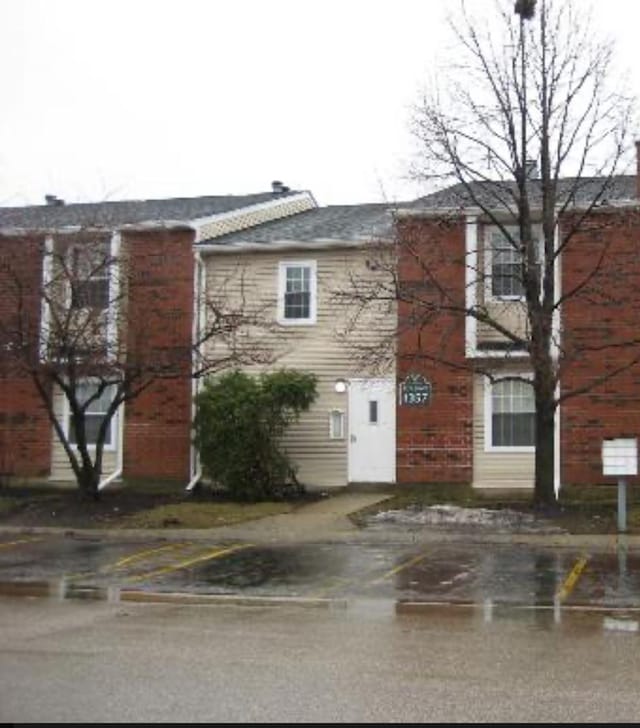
(620, 456)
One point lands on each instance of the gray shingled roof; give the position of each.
(335, 222)
(124, 212)
(583, 191)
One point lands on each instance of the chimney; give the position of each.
(53, 201)
(278, 188)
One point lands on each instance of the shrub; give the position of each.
(239, 424)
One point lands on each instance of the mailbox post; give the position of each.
(620, 457)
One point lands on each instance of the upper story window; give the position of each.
(89, 273)
(506, 265)
(297, 292)
(512, 412)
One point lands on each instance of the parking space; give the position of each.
(505, 574)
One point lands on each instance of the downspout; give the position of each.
(195, 467)
(119, 464)
(112, 333)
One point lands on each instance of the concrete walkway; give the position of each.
(327, 521)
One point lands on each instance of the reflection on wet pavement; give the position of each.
(490, 576)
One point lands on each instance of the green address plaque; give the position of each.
(415, 390)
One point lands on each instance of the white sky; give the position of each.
(113, 99)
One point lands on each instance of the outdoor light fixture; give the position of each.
(340, 386)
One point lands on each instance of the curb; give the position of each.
(355, 536)
(59, 590)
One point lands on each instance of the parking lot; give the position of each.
(485, 574)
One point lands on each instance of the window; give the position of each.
(373, 412)
(512, 414)
(506, 266)
(90, 266)
(95, 414)
(336, 425)
(297, 293)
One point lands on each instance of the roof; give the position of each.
(621, 188)
(335, 222)
(126, 212)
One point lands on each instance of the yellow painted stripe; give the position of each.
(189, 562)
(398, 569)
(143, 554)
(8, 544)
(571, 580)
(126, 560)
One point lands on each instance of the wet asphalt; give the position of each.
(485, 574)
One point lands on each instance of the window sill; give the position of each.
(516, 449)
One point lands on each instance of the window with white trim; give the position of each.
(94, 415)
(90, 273)
(297, 292)
(506, 265)
(512, 414)
(336, 425)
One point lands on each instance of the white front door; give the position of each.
(372, 431)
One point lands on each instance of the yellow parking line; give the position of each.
(143, 554)
(400, 568)
(126, 560)
(189, 562)
(8, 544)
(571, 580)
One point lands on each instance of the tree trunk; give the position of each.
(544, 492)
(88, 481)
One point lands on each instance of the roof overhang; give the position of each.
(293, 245)
(143, 226)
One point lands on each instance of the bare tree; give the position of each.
(81, 324)
(532, 129)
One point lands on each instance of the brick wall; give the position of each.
(434, 442)
(25, 440)
(159, 319)
(605, 312)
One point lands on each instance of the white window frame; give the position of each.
(489, 232)
(343, 424)
(283, 266)
(66, 425)
(488, 416)
(113, 278)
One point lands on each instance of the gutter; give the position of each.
(283, 245)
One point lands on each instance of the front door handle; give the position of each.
(353, 438)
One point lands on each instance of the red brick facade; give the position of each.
(159, 317)
(434, 442)
(604, 312)
(158, 422)
(25, 432)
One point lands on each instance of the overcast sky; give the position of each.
(159, 98)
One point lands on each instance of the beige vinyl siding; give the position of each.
(510, 314)
(496, 469)
(317, 348)
(60, 467)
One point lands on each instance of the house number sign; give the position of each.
(415, 390)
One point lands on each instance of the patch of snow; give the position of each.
(448, 515)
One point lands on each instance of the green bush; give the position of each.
(239, 424)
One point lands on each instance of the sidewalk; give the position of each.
(327, 521)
